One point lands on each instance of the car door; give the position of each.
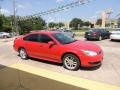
(103, 33)
(32, 45)
(46, 51)
(107, 33)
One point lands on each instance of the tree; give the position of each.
(87, 23)
(76, 23)
(1, 22)
(5, 23)
(27, 25)
(60, 24)
(118, 22)
(38, 23)
(99, 22)
(7, 26)
(52, 25)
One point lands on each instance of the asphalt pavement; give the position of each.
(108, 72)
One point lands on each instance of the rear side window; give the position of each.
(32, 37)
(44, 38)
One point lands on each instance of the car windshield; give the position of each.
(64, 39)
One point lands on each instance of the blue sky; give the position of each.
(88, 11)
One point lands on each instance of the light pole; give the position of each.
(109, 12)
(14, 17)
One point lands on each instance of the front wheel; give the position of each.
(23, 53)
(71, 62)
(100, 38)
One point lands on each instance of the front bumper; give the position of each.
(91, 61)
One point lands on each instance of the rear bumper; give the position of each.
(92, 37)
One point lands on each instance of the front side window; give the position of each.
(44, 38)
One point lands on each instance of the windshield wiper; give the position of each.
(71, 42)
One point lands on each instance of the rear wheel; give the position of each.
(23, 54)
(5, 36)
(71, 62)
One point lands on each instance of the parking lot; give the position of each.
(108, 72)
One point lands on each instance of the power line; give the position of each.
(58, 9)
(117, 15)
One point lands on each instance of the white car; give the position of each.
(4, 35)
(115, 35)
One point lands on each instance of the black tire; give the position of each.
(87, 39)
(111, 39)
(23, 54)
(5, 36)
(71, 62)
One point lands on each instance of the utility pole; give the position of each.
(14, 16)
(0, 10)
(109, 12)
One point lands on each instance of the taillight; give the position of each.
(94, 33)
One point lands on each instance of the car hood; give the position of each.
(84, 45)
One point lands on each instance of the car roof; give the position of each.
(43, 32)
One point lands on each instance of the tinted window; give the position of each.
(97, 30)
(62, 38)
(67, 31)
(32, 37)
(44, 38)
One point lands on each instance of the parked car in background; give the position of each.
(59, 47)
(5, 35)
(115, 35)
(67, 32)
(98, 34)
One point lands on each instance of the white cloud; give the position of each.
(25, 5)
(58, 1)
(21, 6)
(5, 11)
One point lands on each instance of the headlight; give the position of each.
(89, 53)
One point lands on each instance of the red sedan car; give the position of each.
(60, 48)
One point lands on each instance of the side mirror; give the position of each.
(51, 43)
